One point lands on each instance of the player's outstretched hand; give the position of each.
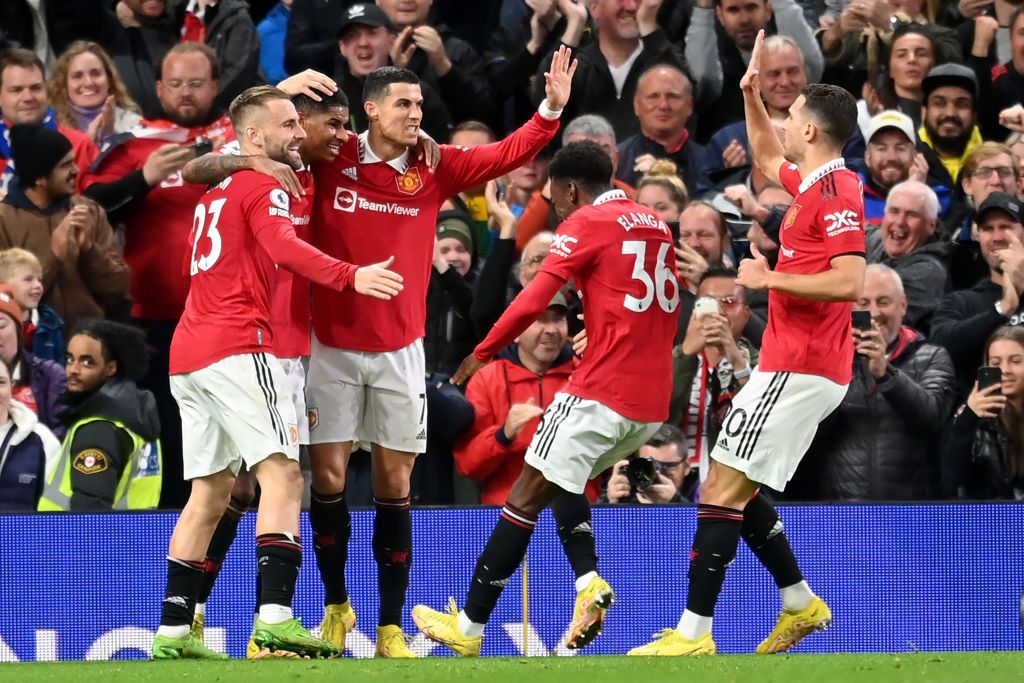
(378, 282)
(754, 271)
(558, 80)
(748, 84)
(309, 82)
(467, 369)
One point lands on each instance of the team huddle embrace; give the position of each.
(319, 245)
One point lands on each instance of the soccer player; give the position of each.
(229, 386)
(324, 123)
(366, 368)
(804, 368)
(620, 254)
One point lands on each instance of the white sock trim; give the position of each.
(173, 631)
(796, 597)
(201, 608)
(585, 580)
(275, 614)
(469, 628)
(693, 626)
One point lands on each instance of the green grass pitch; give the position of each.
(945, 667)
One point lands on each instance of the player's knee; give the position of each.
(327, 465)
(243, 492)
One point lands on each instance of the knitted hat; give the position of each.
(36, 151)
(457, 224)
(10, 307)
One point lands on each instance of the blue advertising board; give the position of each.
(898, 578)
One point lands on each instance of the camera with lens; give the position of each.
(642, 471)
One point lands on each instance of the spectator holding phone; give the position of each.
(880, 443)
(984, 452)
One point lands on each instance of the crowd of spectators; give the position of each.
(104, 101)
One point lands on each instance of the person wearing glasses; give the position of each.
(992, 167)
(712, 363)
(671, 483)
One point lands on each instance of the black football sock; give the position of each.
(392, 548)
(572, 516)
(503, 553)
(223, 537)
(278, 557)
(179, 605)
(332, 529)
(762, 531)
(714, 549)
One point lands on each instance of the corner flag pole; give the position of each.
(526, 610)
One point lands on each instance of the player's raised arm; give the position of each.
(465, 168)
(764, 144)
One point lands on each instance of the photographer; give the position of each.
(658, 473)
(984, 451)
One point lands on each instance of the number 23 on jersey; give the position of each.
(204, 224)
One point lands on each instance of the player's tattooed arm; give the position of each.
(211, 169)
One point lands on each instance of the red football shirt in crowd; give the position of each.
(290, 308)
(620, 256)
(238, 225)
(157, 231)
(825, 221)
(368, 210)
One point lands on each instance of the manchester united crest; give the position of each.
(409, 182)
(791, 216)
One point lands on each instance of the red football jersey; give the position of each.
(620, 256)
(157, 230)
(368, 210)
(238, 224)
(290, 309)
(825, 221)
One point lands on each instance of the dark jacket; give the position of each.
(48, 381)
(510, 67)
(975, 451)
(881, 442)
(963, 323)
(1007, 90)
(231, 33)
(312, 40)
(593, 88)
(450, 336)
(27, 452)
(689, 160)
(66, 21)
(48, 336)
(119, 400)
(924, 272)
(136, 53)
(465, 89)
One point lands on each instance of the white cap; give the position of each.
(891, 118)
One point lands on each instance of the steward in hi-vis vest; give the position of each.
(110, 458)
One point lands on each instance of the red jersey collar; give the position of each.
(367, 156)
(610, 196)
(821, 172)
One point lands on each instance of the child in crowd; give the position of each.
(44, 330)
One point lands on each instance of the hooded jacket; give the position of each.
(27, 452)
(484, 453)
(119, 400)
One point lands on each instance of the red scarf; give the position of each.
(193, 30)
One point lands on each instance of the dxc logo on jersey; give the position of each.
(345, 200)
(841, 221)
(562, 244)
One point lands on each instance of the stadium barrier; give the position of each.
(899, 578)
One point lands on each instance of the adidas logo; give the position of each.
(723, 444)
(583, 528)
(422, 434)
(351, 173)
